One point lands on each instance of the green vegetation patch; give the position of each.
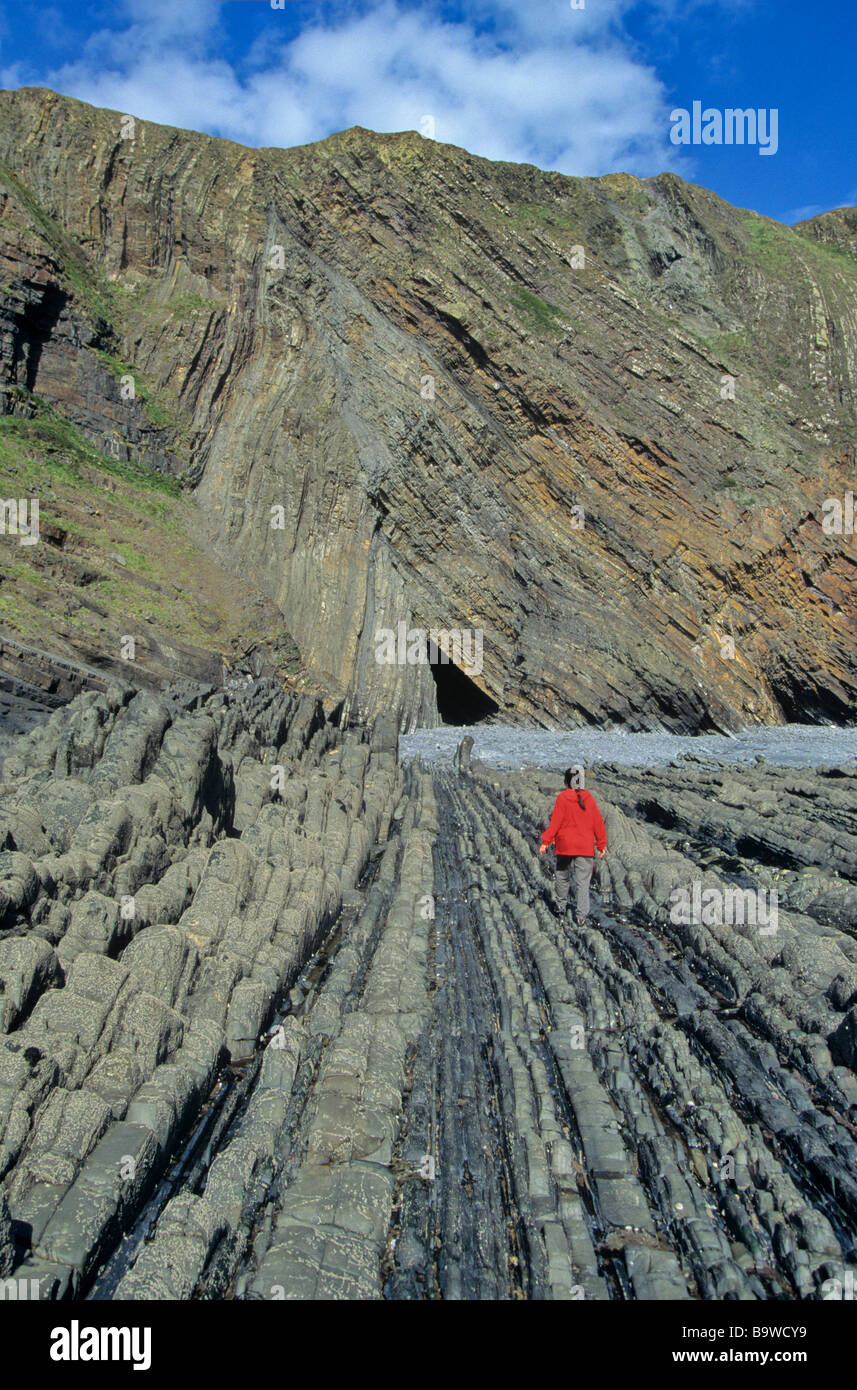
(147, 308)
(772, 247)
(725, 345)
(548, 214)
(537, 314)
(90, 289)
(159, 415)
(778, 249)
(185, 305)
(55, 444)
(627, 192)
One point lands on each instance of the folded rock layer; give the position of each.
(282, 1018)
(596, 420)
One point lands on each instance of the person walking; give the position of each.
(576, 830)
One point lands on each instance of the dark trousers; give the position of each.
(582, 866)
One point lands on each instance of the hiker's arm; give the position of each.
(550, 834)
(600, 830)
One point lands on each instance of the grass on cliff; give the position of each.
(536, 314)
(159, 415)
(53, 445)
(779, 250)
(147, 308)
(548, 215)
(103, 303)
(90, 289)
(772, 247)
(75, 588)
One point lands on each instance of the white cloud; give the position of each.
(530, 81)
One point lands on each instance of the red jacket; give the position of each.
(576, 831)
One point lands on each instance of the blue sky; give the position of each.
(585, 90)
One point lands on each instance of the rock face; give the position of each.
(595, 419)
(333, 995)
(171, 866)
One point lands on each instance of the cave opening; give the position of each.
(459, 699)
(803, 701)
(36, 328)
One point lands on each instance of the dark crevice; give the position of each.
(459, 699)
(36, 328)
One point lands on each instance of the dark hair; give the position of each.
(567, 778)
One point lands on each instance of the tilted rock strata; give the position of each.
(389, 348)
(345, 1010)
(117, 1021)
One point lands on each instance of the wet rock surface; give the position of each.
(283, 1018)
